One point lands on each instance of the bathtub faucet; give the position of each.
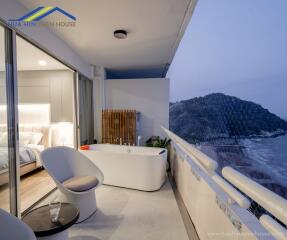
(129, 150)
(139, 139)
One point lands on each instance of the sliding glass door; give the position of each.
(37, 111)
(46, 117)
(4, 161)
(8, 123)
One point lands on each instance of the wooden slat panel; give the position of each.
(119, 124)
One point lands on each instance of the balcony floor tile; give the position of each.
(125, 214)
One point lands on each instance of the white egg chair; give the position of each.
(76, 177)
(13, 228)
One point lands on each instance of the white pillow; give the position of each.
(36, 138)
(25, 138)
(3, 139)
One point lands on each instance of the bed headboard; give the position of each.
(32, 118)
(36, 118)
(32, 114)
(44, 129)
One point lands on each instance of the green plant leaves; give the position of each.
(156, 141)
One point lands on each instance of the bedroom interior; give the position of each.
(46, 118)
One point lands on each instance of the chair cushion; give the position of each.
(81, 184)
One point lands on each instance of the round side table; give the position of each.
(40, 222)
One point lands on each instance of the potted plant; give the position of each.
(156, 141)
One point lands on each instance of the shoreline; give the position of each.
(236, 158)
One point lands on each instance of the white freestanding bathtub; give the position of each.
(141, 168)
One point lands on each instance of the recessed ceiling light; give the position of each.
(120, 34)
(42, 62)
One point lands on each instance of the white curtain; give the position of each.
(86, 110)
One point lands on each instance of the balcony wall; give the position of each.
(216, 208)
(149, 96)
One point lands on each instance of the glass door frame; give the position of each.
(12, 118)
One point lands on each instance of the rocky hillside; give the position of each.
(218, 116)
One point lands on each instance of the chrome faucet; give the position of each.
(129, 147)
(139, 139)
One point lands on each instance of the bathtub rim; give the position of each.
(132, 153)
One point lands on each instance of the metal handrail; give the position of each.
(208, 163)
(235, 195)
(269, 200)
(232, 194)
(276, 230)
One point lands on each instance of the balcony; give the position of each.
(202, 205)
(131, 214)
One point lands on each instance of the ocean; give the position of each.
(262, 159)
(269, 155)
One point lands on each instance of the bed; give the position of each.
(32, 140)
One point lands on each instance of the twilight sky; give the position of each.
(237, 47)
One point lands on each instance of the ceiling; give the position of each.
(154, 30)
(28, 56)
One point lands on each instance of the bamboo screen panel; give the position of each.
(119, 126)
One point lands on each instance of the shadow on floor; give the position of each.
(106, 220)
(84, 238)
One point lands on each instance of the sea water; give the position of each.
(269, 155)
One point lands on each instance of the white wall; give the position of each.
(45, 37)
(53, 86)
(150, 97)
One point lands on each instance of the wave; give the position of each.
(268, 155)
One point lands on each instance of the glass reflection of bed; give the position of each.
(34, 137)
